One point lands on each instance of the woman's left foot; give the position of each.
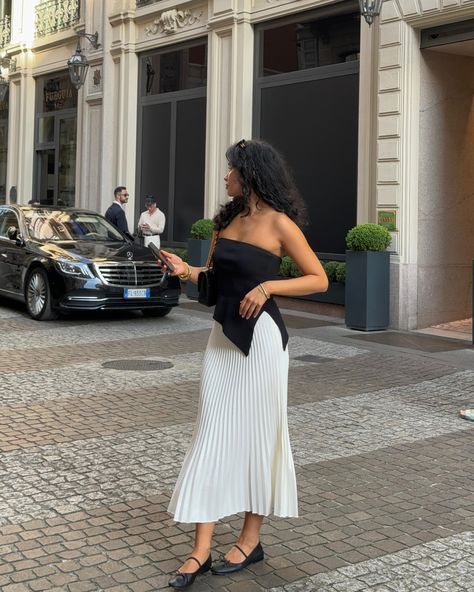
(224, 566)
(182, 579)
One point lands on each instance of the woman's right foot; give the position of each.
(187, 573)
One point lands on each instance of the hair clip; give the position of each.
(242, 144)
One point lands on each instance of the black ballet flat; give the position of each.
(224, 566)
(183, 580)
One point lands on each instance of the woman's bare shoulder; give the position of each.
(284, 225)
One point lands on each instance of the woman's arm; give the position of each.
(314, 279)
(182, 269)
(294, 244)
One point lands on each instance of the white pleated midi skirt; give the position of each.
(240, 457)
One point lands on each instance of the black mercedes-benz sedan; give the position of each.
(64, 259)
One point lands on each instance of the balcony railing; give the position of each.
(52, 16)
(5, 30)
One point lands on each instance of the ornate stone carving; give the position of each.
(95, 80)
(55, 15)
(172, 20)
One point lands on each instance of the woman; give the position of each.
(240, 458)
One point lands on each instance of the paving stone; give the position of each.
(90, 455)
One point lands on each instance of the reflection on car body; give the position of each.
(62, 259)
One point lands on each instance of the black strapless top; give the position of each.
(239, 267)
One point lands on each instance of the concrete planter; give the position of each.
(367, 305)
(198, 251)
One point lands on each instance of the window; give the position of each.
(302, 45)
(56, 128)
(171, 71)
(7, 219)
(306, 104)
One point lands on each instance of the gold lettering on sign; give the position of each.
(58, 95)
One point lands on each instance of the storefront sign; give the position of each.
(58, 94)
(387, 218)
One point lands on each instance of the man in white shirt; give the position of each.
(151, 222)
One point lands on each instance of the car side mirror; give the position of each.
(14, 235)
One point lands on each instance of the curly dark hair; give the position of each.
(264, 170)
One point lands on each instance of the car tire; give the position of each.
(156, 312)
(38, 296)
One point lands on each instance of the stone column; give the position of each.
(89, 114)
(120, 112)
(21, 132)
(230, 93)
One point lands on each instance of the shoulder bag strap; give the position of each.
(210, 257)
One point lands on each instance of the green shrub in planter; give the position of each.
(368, 237)
(285, 266)
(367, 278)
(180, 252)
(341, 272)
(202, 229)
(294, 270)
(288, 268)
(330, 269)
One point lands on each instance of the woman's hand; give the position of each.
(251, 303)
(179, 266)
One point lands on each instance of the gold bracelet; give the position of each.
(187, 275)
(263, 291)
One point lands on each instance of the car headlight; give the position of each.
(74, 268)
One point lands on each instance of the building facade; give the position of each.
(376, 122)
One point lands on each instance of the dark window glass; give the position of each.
(6, 220)
(67, 162)
(175, 70)
(189, 166)
(4, 107)
(46, 173)
(298, 46)
(3, 148)
(63, 225)
(57, 93)
(3, 161)
(5, 8)
(155, 156)
(46, 130)
(319, 141)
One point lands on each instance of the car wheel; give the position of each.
(38, 296)
(156, 312)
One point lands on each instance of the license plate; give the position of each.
(136, 293)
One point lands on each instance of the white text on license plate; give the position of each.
(136, 292)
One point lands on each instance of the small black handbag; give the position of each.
(207, 287)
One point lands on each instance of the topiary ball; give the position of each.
(330, 268)
(341, 272)
(202, 229)
(368, 237)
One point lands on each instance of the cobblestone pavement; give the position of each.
(90, 450)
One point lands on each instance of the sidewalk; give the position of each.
(97, 414)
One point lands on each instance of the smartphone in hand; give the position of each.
(156, 251)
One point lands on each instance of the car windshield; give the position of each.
(47, 225)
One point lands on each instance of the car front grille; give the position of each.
(129, 273)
